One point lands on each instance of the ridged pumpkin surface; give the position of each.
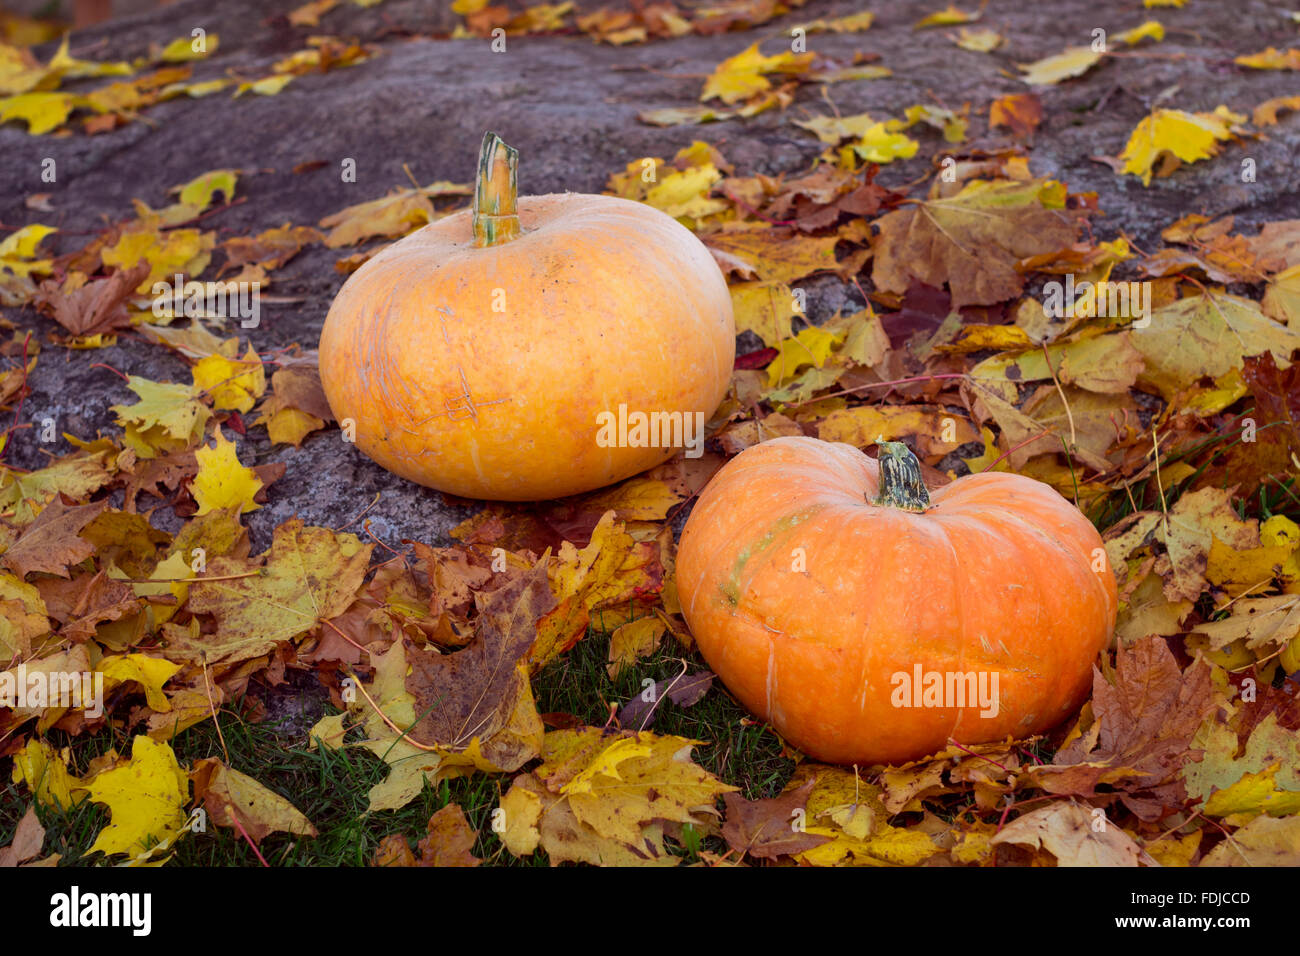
(481, 371)
(997, 575)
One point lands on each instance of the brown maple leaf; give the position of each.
(450, 842)
(816, 201)
(99, 599)
(1019, 112)
(157, 476)
(455, 576)
(1142, 733)
(767, 828)
(98, 306)
(51, 542)
(973, 240)
(1282, 702)
(298, 386)
(473, 693)
(270, 249)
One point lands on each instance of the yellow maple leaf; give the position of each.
(309, 574)
(1271, 59)
(234, 799)
(610, 569)
(685, 193)
(637, 499)
(69, 67)
(948, 16)
(290, 426)
(833, 130)
(848, 811)
(182, 49)
(198, 192)
(183, 251)
(1253, 794)
(881, 144)
(1074, 61)
(541, 18)
(170, 573)
(23, 616)
(1281, 531)
(851, 23)
(777, 256)
(977, 41)
(935, 431)
(1264, 841)
(232, 384)
(742, 76)
(20, 73)
(950, 123)
(18, 250)
(42, 112)
(812, 346)
(149, 672)
(45, 771)
(329, 732)
(193, 90)
(196, 342)
(764, 308)
(603, 799)
(632, 641)
(523, 813)
(1189, 137)
(400, 212)
(1151, 29)
(168, 417)
(222, 481)
(19, 70)
(76, 475)
(267, 86)
(147, 795)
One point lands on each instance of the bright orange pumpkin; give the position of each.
(811, 583)
(488, 354)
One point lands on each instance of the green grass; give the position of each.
(331, 787)
(1273, 497)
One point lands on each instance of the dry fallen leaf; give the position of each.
(233, 799)
(770, 828)
(973, 240)
(29, 837)
(1075, 836)
(609, 799)
(147, 795)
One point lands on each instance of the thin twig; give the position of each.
(213, 705)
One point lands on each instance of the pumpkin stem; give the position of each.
(900, 479)
(496, 193)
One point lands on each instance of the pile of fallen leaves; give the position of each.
(1172, 421)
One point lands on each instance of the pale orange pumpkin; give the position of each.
(488, 354)
(812, 578)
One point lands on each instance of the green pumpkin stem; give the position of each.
(900, 479)
(496, 193)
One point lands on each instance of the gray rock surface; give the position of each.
(570, 107)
